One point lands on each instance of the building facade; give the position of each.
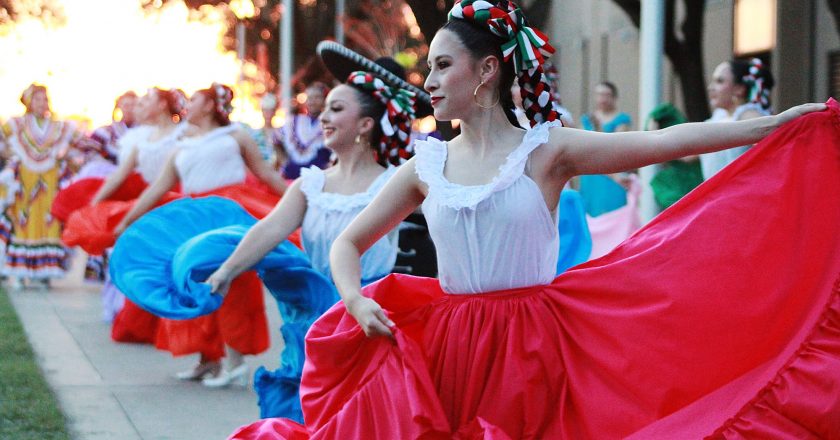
(596, 41)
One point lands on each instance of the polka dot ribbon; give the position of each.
(526, 47)
(758, 93)
(395, 122)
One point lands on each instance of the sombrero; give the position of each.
(342, 61)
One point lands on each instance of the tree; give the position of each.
(47, 10)
(685, 54)
(430, 17)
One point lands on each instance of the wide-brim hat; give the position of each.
(342, 61)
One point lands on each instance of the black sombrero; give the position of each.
(342, 61)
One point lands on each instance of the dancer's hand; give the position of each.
(795, 112)
(370, 317)
(219, 282)
(120, 228)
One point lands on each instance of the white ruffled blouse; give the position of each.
(327, 214)
(210, 161)
(152, 155)
(496, 236)
(712, 163)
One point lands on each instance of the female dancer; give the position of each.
(620, 345)
(301, 137)
(38, 145)
(214, 158)
(162, 110)
(356, 119)
(739, 90)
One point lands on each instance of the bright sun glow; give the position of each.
(108, 47)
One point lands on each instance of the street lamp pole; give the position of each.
(340, 6)
(286, 56)
(650, 88)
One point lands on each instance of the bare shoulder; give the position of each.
(294, 188)
(552, 159)
(406, 175)
(241, 135)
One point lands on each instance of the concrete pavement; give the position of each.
(126, 391)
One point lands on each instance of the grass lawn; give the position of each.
(28, 409)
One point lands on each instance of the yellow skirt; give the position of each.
(34, 248)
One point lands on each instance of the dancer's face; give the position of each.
(604, 98)
(342, 120)
(453, 75)
(723, 91)
(127, 105)
(314, 100)
(199, 105)
(150, 106)
(39, 105)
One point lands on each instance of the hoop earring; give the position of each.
(475, 97)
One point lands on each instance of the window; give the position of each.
(755, 26)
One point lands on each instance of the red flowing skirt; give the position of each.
(133, 324)
(92, 227)
(79, 194)
(239, 323)
(719, 319)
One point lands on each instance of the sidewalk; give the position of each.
(127, 391)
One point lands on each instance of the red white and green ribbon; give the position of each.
(757, 92)
(526, 47)
(394, 146)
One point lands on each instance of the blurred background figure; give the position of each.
(106, 137)
(739, 90)
(677, 177)
(604, 193)
(37, 148)
(301, 136)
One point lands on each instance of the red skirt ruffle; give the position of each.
(239, 323)
(79, 194)
(92, 227)
(133, 324)
(719, 319)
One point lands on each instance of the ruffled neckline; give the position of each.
(312, 186)
(431, 160)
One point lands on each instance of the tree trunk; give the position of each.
(834, 7)
(685, 55)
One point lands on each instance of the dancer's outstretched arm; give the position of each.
(253, 159)
(166, 180)
(576, 152)
(115, 179)
(398, 198)
(260, 239)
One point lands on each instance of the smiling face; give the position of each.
(342, 120)
(723, 91)
(453, 75)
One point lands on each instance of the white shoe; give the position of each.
(238, 376)
(200, 371)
